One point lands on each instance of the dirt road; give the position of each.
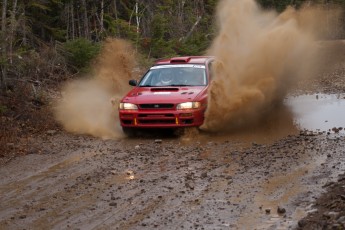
(204, 182)
(265, 178)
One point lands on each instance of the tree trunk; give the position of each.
(116, 18)
(138, 24)
(72, 20)
(3, 45)
(3, 27)
(85, 20)
(25, 36)
(13, 27)
(180, 11)
(102, 16)
(3, 17)
(78, 24)
(68, 21)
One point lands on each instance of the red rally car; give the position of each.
(172, 94)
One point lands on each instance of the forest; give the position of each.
(46, 40)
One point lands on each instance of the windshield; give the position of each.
(175, 75)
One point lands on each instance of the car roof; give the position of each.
(184, 60)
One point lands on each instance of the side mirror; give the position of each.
(133, 82)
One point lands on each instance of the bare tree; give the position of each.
(13, 27)
(102, 16)
(116, 18)
(85, 19)
(3, 44)
(69, 14)
(3, 16)
(180, 11)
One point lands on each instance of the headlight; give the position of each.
(128, 106)
(188, 105)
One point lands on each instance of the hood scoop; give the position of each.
(164, 89)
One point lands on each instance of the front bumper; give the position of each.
(161, 119)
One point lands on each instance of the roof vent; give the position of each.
(180, 60)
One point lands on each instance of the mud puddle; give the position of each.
(313, 112)
(318, 112)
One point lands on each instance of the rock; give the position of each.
(190, 186)
(113, 204)
(281, 210)
(22, 217)
(51, 132)
(11, 145)
(203, 175)
(268, 211)
(341, 220)
(334, 129)
(302, 223)
(137, 147)
(158, 141)
(331, 215)
(312, 211)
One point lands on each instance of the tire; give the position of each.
(129, 132)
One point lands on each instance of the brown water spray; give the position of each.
(85, 106)
(259, 55)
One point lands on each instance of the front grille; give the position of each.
(156, 119)
(148, 115)
(156, 106)
(156, 122)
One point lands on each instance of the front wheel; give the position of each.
(130, 132)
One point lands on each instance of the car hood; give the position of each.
(145, 95)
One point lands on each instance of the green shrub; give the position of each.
(80, 52)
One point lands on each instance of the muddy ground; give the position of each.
(275, 176)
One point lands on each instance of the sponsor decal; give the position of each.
(162, 93)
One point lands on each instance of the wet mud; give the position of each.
(219, 183)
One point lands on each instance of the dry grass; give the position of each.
(23, 115)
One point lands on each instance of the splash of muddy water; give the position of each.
(85, 106)
(259, 55)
